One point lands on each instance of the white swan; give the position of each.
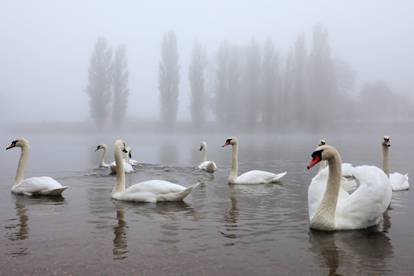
(104, 148)
(399, 182)
(250, 177)
(44, 185)
(147, 191)
(331, 208)
(127, 166)
(208, 166)
(128, 157)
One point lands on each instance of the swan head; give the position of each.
(324, 152)
(101, 146)
(19, 143)
(128, 150)
(322, 142)
(386, 142)
(203, 145)
(230, 141)
(121, 145)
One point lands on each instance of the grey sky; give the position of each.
(46, 45)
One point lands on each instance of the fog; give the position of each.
(46, 48)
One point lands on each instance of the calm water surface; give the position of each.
(219, 229)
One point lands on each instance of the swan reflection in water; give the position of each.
(351, 252)
(120, 246)
(18, 229)
(170, 211)
(231, 217)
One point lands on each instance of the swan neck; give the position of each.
(120, 174)
(22, 164)
(324, 217)
(204, 153)
(234, 172)
(385, 160)
(103, 157)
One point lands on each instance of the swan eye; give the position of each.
(14, 142)
(228, 140)
(317, 153)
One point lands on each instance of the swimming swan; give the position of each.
(127, 166)
(331, 208)
(250, 177)
(104, 148)
(44, 185)
(399, 182)
(128, 157)
(208, 166)
(147, 191)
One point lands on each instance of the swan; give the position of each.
(128, 157)
(44, 185)
(104, 148)
(250, 177)
(399, 182)
(331, 208)
(127, 166)
(208, 166)
(147, 191)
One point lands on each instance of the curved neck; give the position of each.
(324, 217)
(385, 160)
(204, 152)
(120, 174)
(103, 157)
(22, 164)
(234, 172)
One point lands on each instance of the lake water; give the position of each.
(219, 229)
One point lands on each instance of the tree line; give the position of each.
(108, 83)
(250, 86)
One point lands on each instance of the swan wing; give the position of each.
(154, 191)
(258, 177)
(399, 182)
(365, 206)
(208, 166)
(127, 167)
(44, 185)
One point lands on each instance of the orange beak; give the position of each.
(313, 162)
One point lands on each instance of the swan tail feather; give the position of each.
(278, 176)
(183, 194)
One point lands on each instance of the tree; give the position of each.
(251, 85)
(168, 79)
(300, 97)
(221, 90)
(99, 86)
(270, 84)
(120, 86)
(196, 76)
(322, 80)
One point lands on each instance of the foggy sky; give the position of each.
(45, 45)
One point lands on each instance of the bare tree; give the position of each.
(251, 85)
(322, 80)
(99, 86)
(270, 84)
(120, 86)
(168, 79)
(196, 76)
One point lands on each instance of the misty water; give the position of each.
(231, 230)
